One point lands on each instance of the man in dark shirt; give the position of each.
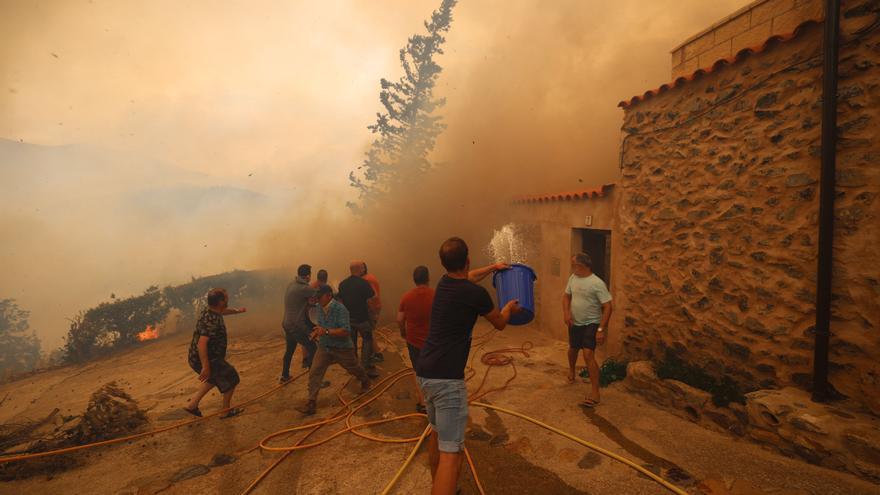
(296, 323)
(355, 292)
(207, 354)
(458, 300)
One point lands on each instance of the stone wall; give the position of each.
(552, 222)
(745, 28)
(718, 215)
(784, 420)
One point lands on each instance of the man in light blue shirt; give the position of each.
(586, 308)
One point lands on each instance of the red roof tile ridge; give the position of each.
(718, 64)
(594, 192)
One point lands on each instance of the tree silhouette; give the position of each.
(19, 345)
(408, 129)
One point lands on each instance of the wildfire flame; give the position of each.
(149, 333)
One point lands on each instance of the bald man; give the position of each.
(355, 293)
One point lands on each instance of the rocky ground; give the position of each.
(512, 456)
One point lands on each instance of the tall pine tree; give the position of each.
(408, 128)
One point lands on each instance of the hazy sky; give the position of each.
(274, 97)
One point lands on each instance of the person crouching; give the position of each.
(333, 334)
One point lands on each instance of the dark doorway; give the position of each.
(597, 244)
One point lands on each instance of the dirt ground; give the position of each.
(511, 455)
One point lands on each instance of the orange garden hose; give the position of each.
(349, 408)
(35, 455)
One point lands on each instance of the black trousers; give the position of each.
(292, 338)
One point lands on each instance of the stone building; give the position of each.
(718, 201)
(561, 225)
(710, 233)
(717, 223)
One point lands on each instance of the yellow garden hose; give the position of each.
(346, 412)
(669, 486)
(409, 459)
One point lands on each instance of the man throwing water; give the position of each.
(458, 301)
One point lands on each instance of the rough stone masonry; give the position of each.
(718, 215)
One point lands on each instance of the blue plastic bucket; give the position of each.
(517, 283)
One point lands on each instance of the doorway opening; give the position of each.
(597, 244)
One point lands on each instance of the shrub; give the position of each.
(724, 390)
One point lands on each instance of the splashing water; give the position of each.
(509, 245)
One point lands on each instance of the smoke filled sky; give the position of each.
(116, 114)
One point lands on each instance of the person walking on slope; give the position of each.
(332, 331)
(296, 324)
(207, 354)
(355, 293)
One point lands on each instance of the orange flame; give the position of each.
(149, 333)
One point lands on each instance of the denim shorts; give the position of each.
(447, 405)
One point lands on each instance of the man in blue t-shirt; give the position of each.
(586, 308)
(458, 301)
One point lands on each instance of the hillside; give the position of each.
(91, 221)
(512, 456)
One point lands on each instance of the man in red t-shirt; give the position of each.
(413, 318)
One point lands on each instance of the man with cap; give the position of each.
(332, 332)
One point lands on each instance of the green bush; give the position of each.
(724, 390)
(611, 371)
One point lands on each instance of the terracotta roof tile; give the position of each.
(718, 64)
(595, 192)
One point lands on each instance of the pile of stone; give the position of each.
(784, 420)
(111, 413)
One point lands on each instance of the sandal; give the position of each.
(235, 411)
(589, 403)
(195, 412)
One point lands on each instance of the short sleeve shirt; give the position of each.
(457, 304)
(354, 292)
(416, 308)
(374, 283)
(211, 325)
(588, 294)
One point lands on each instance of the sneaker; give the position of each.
(284, 379)
(308, 409)
(372, 373)
(325, 384)
(378, 358)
